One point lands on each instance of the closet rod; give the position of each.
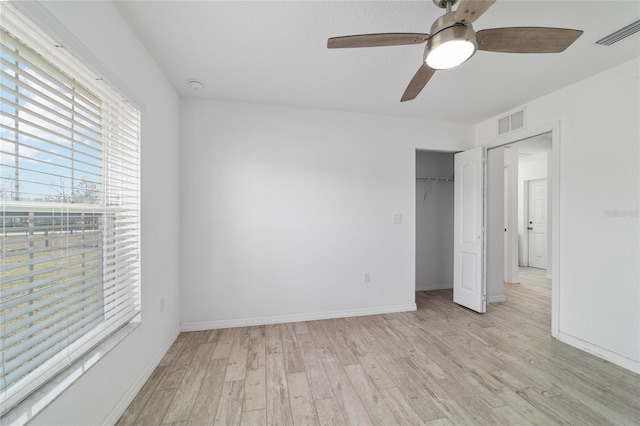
(443, 179)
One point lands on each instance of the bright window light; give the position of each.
(69, 209)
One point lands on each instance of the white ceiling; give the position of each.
(275, 53)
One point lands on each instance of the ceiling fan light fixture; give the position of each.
(450, 47)
(453, 40)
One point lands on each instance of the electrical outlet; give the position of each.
(367, 277)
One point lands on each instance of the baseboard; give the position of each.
(120, 408)
(496, 299)
(437, 286)
(279, 319)
(600, 352)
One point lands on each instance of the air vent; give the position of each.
(620, 34)
(511, 122)
(504, 125)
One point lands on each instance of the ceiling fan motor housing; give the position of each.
(443, 3)
(446, 29)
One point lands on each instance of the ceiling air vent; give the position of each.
(511, 122)
(620, 34)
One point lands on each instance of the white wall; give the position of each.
(529, 168)
(599, 232)
(511, 275)
(103, 392)
(284, 209)
(494, 235)
(434, 221)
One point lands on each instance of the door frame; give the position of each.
(553, 184)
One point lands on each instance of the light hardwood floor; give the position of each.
(534, 277)
(440, 365)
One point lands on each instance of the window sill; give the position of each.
(32, 405)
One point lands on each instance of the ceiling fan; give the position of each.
(453, 40)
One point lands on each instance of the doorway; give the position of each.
(533, 218)
(537, 160)
(434, 220)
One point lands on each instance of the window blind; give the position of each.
(69, 194)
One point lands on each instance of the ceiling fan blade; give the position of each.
(470, 10)
(417, 83)
(375, 40)
(526, 39)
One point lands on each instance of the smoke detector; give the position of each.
(196, 85)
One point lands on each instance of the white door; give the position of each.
(537, 226)
(468, 261)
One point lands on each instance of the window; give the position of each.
(69, 194)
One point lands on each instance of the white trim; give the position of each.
(128, 397)
(622, 361)
(525, 222)
(436, 286)
(279, 319)
(485, 216)
(496, 299)
(554, 180)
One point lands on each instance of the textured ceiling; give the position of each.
(275, 53)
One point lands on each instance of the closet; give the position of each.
(434, 220)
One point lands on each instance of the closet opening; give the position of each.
(434, 220)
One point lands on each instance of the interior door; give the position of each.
(537, 226)
(468, 261)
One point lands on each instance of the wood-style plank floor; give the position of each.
(534, 277)
(442, 364)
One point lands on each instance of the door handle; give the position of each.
(529, 228)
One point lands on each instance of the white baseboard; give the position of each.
(279, 319)
(603, 353)
(436, 286)
(120, 408)
(496, 299)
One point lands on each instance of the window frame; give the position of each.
(76, 351)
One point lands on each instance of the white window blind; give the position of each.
(69, 194)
